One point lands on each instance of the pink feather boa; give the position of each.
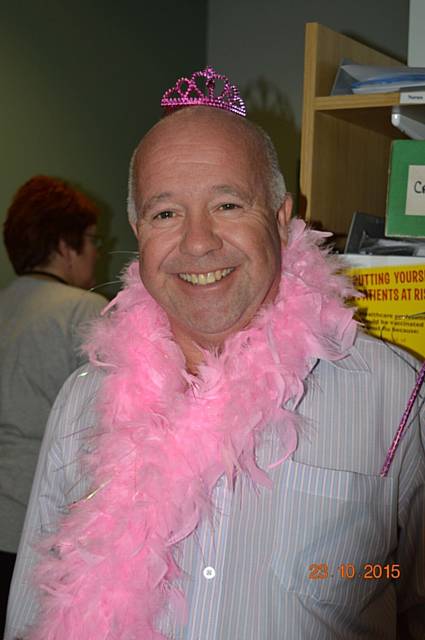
(165, 437)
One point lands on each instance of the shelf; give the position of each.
(375, 120)
(345, 140)
(370, 111)
(356, 101)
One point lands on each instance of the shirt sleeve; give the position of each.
(57, 483)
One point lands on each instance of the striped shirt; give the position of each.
(331, 551)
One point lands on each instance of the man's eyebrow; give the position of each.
(218, 189)
(154, 200)
(226, 189)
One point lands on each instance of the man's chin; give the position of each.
(211, 332)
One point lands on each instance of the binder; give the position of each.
(405, 215)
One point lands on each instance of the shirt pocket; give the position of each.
(330, 524)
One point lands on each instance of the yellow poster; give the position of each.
(393, 303)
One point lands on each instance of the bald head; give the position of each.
(197, 122)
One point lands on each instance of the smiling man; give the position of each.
(218, 462)
(209, 235)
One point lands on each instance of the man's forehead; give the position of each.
(198, 136)
(195, 123)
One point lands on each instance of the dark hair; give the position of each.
(44, 211)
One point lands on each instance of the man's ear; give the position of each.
(283, 217)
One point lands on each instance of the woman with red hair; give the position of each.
(50, 237)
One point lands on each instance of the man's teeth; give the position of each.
(205, 278)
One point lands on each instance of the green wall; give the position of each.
(80, 84)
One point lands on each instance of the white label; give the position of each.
(412, 97)
(415, 197)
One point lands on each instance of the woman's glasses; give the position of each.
(94, 239)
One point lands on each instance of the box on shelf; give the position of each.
(406, 190)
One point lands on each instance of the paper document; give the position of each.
(362, 78)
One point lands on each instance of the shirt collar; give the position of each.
(353, 361)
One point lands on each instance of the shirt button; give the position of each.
(209, 573)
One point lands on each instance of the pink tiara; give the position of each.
(200, 89)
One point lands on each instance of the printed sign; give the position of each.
(393, 304)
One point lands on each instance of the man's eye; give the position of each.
(163, 215)
(228, 206)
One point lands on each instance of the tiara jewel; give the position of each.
(201, 89)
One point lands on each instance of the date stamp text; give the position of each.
(348, 571)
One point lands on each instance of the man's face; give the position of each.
(209, 244)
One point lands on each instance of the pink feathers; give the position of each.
(164, 438)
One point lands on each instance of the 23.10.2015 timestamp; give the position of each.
(348, 571)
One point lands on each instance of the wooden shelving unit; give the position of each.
(345, 140)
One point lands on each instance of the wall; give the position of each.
(260, 45)
(80, 84)
(416, 47)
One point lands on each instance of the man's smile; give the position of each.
(206, 278)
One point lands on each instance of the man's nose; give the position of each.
(200, 235)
